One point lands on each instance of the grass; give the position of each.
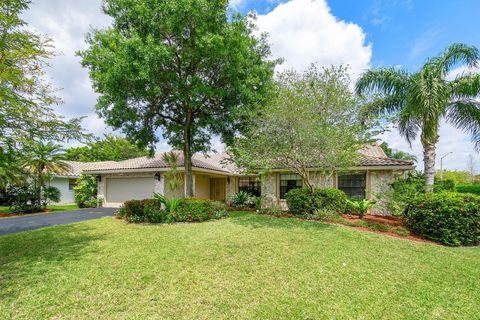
(247, 266)
(54, 208)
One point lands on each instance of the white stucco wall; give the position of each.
(66, 196)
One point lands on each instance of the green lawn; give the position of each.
(246, 266)
(54, 208)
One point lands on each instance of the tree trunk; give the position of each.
(429, 164)
(187, 156)
(40, 188)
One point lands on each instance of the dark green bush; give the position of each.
(133, 208)
(443, 185)
(451, 218)
(469, 188)
(86, 191)
(150, 210)
(304, 202)
(153, 213)
(196, 209)
(24, 198)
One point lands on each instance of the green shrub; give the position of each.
(403, 190)
(359, 207)
(133, 208)
(86, 192)
(153, 213)
(469, 188)
(196, 209)
(243, 199)
(135, 219)
(170, 204)
(305, 202)
(444, 185)
(449, 217)
(24, 198)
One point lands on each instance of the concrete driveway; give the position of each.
(31, 222)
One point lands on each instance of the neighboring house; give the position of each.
(67, 180)
(138, 178)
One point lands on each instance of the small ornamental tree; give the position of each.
(185, 68)
(313, 122)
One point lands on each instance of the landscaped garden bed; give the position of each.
(5, 211)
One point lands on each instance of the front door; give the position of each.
(217, 189)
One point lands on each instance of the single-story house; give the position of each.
(66, 181)
(139, 178)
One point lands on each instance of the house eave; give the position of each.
(152, 170)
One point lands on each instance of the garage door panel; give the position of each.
(120, 190)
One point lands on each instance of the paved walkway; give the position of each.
(31, 222)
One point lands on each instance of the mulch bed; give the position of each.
(9, 214)
(388, 220)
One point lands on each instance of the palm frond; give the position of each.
(465, 86)
(465, 115)
(457, 53)
(388, 81)
(408, 126)
(385, 105)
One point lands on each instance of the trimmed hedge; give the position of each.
(451, 218)
(469, 188)
(191, 209)
(304, 202)
(198, 209)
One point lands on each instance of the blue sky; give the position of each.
(402, 32)
(362, 34)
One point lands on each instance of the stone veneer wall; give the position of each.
(231, 187)
(269, 190)
(377, 182)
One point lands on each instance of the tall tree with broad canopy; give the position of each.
(185, 68)
(313, 122)
(420, 100)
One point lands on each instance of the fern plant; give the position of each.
(170, 204)
(360, 207)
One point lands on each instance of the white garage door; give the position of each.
(120, 190)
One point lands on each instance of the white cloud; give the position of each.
(305, 31)
(67, 22)
(451, 140)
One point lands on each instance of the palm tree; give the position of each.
(422, 99)
(45, 158)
